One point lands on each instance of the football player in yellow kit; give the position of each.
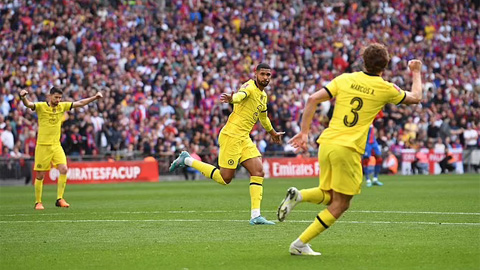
(48, 149)
(359, 97)
(236, 147)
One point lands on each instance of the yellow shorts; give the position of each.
(340, 169)
(45, 155)
(233, 151)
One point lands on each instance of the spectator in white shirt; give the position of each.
(471, 137)
(4, 106)
(7, 137)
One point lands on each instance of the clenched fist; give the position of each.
(23, 93)
(415, 65)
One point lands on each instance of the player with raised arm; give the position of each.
(48, 149)
(359, 97)
(236, 146)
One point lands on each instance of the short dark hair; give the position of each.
(375, 58)
(262, 65)
(56, 90)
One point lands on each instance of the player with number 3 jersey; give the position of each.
(359, 97)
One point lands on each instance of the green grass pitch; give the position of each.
(413, 222)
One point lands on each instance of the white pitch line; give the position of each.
(414, 212)
(226, 220)
(239, 211)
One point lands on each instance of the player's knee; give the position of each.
(227, 180)
(40, 175)
(259, 173)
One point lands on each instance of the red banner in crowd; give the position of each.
(107, 172)
(434, 158)
(290, 167)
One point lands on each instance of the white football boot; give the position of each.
(288, 203)
(304, 250)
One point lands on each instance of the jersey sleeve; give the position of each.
(38, 106)
(332, 87)
(398, 94)
(242, 93)
(246, 89)
(66, 106)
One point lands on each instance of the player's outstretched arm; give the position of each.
(88, 100)
(226, 98)
(415, 96)
(23, 97)
(301, 139)
(233, 97)
(267, 125)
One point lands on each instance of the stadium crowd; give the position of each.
(162, 66)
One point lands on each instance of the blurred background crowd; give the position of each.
(162, 66)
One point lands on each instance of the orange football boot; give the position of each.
(39, 206)
(61, 203)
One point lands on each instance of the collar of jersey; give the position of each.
(371, 74)
(255, 82)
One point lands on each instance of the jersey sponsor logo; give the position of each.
(53, 119)
(255, 114)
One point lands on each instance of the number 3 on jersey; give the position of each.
(354, 110)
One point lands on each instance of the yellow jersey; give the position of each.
(246, 113)
(359, 98)
(50, 121)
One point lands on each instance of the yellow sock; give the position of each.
(38, 190)
(323, 221)
(208, 171)
(256, 192)
(62, 182)
(315, 195)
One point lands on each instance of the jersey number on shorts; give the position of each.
(359, 103)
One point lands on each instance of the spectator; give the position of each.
(470, 136)
(420, 165)
(390, 164)
(177, 63)
(448, 162)
(7, 137)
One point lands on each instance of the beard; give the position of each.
(264, 83)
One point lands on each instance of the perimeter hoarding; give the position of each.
(290, 167)
(107, 172)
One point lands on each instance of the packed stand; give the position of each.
(162, 66)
